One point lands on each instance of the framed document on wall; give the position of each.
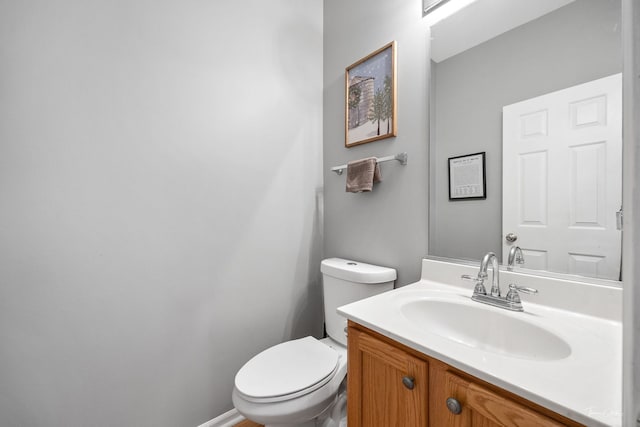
(467, 177)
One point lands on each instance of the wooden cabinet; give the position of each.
(390, 385)
(479, 406)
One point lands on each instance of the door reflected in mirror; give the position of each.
(553, 158)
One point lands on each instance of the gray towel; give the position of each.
(362, 174)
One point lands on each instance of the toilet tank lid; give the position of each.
(356, 271)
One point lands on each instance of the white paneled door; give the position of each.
(562, 178)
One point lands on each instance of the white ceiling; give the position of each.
(483, 20)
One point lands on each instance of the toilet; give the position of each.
(302, 383)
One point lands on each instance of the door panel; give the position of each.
(562, 161)
(377, 375)
(480, 407)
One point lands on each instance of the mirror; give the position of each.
(524, 56)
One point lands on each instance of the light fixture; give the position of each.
(429, 5)
(437, 10)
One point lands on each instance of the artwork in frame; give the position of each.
(370, 97)
(467, 177)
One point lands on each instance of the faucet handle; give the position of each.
(513, 298)
(479, 289)
(522, 289)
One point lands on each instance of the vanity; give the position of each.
(427, 355)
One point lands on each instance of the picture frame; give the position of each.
(467, 177)
(371, 97)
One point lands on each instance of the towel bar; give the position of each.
(401, 157)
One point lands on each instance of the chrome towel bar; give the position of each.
(401, 157)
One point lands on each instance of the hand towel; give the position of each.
(362, 174)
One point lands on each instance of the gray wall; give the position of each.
(160, 166)
(387, 226)
(575, 44)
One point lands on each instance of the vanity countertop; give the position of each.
(583, 383)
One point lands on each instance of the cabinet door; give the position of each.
(479, 406)
(386, 386)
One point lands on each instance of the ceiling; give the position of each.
(483, 20)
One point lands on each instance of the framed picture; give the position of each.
(370, 97)
(467, 177)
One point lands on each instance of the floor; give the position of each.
(247, 423)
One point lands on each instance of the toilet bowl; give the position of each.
(291, 383)
(302, 382)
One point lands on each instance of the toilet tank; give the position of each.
(345, 281)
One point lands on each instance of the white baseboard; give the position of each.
(228, 419)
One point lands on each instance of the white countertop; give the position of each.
(585, 386)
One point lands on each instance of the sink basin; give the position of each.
(477, 326)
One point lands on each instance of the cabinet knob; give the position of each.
(408, 382)
(454, 406)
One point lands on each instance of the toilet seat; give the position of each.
(287, 371)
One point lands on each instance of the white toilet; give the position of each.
(302, 382)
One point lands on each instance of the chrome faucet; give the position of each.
(495, 282)
(515, 255)
(511, 301)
